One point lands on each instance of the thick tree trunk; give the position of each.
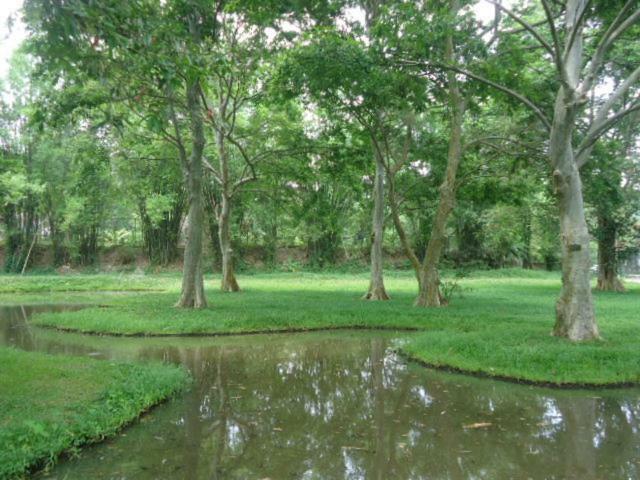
(429, 289)
(429, 285)
(192, 295)
(376, 285)
(607, 256)
(575, 316)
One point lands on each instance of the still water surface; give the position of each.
(341, 406)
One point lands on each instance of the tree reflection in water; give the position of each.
(342, 405)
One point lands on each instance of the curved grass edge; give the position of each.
(227, 333)
(405, 354)
(499, 326)
(443, 367)
(34, 444)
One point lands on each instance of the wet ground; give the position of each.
(342, 406)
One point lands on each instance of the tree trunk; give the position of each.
(607, 256)
(211, 206)
(376, 285)
(192, 295)
(429, 284)
(228, 282)
(575, 317)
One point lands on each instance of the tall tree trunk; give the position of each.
(575, 316)
(228, 282)
(607, 256)
(376, 285)
(429, 280)
(192, 295)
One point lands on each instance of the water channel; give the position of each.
(341, 405)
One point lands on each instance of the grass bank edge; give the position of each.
(37, 441)
(500, 328)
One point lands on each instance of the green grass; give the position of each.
(53, 404)
(500, 326)
(80, 283)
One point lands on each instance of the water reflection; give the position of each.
(342, 405)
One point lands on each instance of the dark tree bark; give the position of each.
(608, 279)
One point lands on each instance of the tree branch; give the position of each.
(595, 132)
(602, 121)
(557, 56)
(212, 169)
(527, 26)
(617, 28)
(541, 116)
(575, 29)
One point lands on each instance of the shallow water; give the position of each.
(342, 405)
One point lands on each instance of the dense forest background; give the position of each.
(218, 136)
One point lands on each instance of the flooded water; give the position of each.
(342, 406)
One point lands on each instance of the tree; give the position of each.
(576, 75)
(150, 173)
(452, 95)
(610, 189)
(340, 77)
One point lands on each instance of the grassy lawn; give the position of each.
(82, 283)
(500, 326)
(53, 404)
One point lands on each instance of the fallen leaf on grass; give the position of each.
(478, 425)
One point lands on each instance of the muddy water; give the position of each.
(342, 405)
